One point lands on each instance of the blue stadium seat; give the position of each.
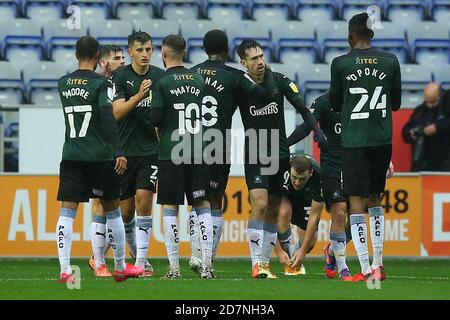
(61, 39)
(333, 35)
(194, 31)
(275, 11)
(285, 69)
(9, 9)
(23, 41)
(93, 10)
(442, 75)
(10, 84)
(111, 32)
(42, 76)
(133, 10)
(440, 11)
(314, 80)
(351, 7)
(295, 42)
(42, 11)
(156, 59)
(392, 38)
(430, 43)
(315, 11)
(250, 29)
(157, 29)
(414, 78)
(225, 10)
(407, 12)
(180, 10)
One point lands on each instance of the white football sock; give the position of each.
(255, 236)
(269, 240)
(116, 233)
(359, 235)
(171, 237)
(217, 221)
(194, 233)
(143, 233)
(64, 231)
(338, 245)
(377, 235)
(98, 239)
(287, 242)
(206, 235)
(107, 244)
(130, 237)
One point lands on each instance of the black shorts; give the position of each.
(219, 174)
(332, 188)
(175, 181)
(273, 183)
(141, 173)
(81, 180)
(364, 170)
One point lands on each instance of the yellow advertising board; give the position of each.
(29, 212)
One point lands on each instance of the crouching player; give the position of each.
(301, 205)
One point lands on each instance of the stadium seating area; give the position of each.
(39, 35)
(300, 37)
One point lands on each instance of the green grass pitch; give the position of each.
(406, 279)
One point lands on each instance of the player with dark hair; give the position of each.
(176, 111)
(140, 144)
(365, 88)
(266, 139)
(223, 87)
(110, 58)
(91, 158)
(301, 205)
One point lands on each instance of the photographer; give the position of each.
(428, 130)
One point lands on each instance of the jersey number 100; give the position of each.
(194, 124)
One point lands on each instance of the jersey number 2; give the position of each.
(87, 110)
(374, 104)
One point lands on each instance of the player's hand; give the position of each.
(121, 165)
(283, 257)
(298, 258)
(430, 130)
(390, 171)
(144, 88)
(321, 139)
(412, 134)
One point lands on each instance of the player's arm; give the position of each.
(109, 123)
(282, 255)
(295, 98)
(157, 108)
(396, 90)
(311, 228)
(303, 130)
(336, 98)
(121, 107)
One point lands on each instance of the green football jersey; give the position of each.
(365, 79)
(179, 93)
(222, 85)
(82, 94)
(263, 115)
(330, 123)
(137, 137)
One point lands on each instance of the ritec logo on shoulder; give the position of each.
(271, 108)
